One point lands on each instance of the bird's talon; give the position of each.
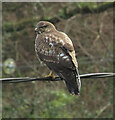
(51, 75)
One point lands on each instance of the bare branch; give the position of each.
(69, 23)
(84, 50)
(103, 109)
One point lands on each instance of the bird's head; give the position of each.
(44, 27)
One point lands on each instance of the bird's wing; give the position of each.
(67, 46)
(70, 74)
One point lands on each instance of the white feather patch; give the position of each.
(62, 54)
(65, 57)
(46, 38)
(62, 41)
(51, 44)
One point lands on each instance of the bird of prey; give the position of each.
(56, 50)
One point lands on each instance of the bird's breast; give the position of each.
(46, 47)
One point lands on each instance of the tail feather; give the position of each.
(72, 80)
(72, 88)
(73, 83)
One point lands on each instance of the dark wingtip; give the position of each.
(75, 93)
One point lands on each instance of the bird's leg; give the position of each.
(51, 75)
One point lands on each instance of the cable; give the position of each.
(28, 79)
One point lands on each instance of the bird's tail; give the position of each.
(73, 84)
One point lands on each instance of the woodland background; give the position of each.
(90, 26)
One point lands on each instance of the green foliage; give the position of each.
(9, 27)
(88, 5)
(57, 108)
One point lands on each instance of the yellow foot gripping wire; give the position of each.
(51, 75)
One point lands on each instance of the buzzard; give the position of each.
(56, 50)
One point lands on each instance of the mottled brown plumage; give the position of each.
(56, 50)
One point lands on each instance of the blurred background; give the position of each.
(90, 26)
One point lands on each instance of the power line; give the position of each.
(28, 79)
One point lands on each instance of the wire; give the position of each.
(28, 79)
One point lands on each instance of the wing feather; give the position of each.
(68, 48)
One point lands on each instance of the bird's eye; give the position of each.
(43, 26)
